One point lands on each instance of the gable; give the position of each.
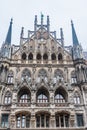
(42, 42)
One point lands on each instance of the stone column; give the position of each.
(12, 121)
(33, 121)
(72, 120)
(52, 121)
(0, 119)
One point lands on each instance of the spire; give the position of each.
(74, 36)
(77, 48)
(8, 37)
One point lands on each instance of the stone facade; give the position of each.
(41, 85)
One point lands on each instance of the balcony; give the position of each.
(43, 104)
(23, 104)
(65, 104)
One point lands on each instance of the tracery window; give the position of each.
(60, 57)
(26, 75)
(7, 99)
(53, 56)
(42, 96)
(62, 120)
(38, 56)
(59, 98)
(23, 120)
(61, 95)
(42, 120)
(77, 99)
(58, 75)
(24, 56)
(24, 96)
(45, 56)
(30, 56)
(42, 75)
(10, 77)
(73, 77)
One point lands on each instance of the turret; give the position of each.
(79, 62)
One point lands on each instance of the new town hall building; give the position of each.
(43, 84)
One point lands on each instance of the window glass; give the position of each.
(80, 120)
(5, 122)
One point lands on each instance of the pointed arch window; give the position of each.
(26, 75)
(42, 75)
(45, 56)
(60, 57)
(73, 77)
(59, 98)
(10, 77)
(24, 96)
(7, 99)
(24, 56)
(77, 99)
(53, 56)
(38, 56)
(42, 96)
(30, 56)
(58, 75)
(61, 95)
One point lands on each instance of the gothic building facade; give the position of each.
(43, 84)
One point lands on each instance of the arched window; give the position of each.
(60, 57)
(73, 77)
(26, 75)
(24, 56)
(42, 96)
(42, 120)
(53, 56)
(24, 96)
(42, 74)
(59, 99)
(45, 57)
(60, 96)
(38, 56)
(77, 99)
(8, 97)
(23, 120)
(58, 75)
(10, 77)
(30, 57)
(62, 120)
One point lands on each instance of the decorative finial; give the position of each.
(11, 21)
(42, 19)
(62, 37)
(71, 22)
(35, 19)
(22, 32)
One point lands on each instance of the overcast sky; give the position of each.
(60, 12)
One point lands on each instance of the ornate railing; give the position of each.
(43, 104)
(62, 104)
(23, 104)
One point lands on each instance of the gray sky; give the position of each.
(60, 12)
